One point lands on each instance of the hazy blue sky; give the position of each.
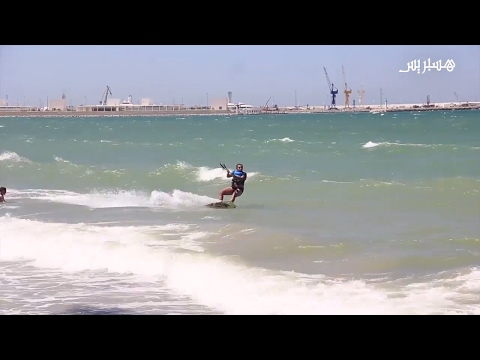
(253, 73)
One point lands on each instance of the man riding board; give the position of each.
(237, 188)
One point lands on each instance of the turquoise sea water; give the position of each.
(342, 213)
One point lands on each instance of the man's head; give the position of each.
(240, 167)
(3, 190)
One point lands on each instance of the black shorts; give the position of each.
(238, 190)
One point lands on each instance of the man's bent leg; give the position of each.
(236, 194)
(226, 191)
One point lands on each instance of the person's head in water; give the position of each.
(3, 190)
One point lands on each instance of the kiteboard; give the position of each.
(222, 205)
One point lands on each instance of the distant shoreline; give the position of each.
(82, 114)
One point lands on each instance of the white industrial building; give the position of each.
(219, 104)
(146, 102)
(112, 104)
(17, 108)
(129, 107)
(58, 104)
(6, 106)
(226, 103)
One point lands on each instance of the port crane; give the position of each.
(268, 109)
(265, 107)
(347, 91)
(105, 96)
(456, 96)
(333, 90)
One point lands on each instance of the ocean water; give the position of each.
(342, 214)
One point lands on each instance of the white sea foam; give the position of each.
(216, 282)
(285, 140)
(112, 199)
(207, 174)
(371, 144)
(12, 156)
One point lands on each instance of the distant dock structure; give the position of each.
(6, 106)
(218, 104)
(114, 105)
(107, 104)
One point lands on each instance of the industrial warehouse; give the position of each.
(111, 104)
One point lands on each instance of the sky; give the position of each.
(195, 74)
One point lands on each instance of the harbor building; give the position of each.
(219, 104)
(113, 104)
(5, 105)
(129, 107)
(18, 108)
(58, 104)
